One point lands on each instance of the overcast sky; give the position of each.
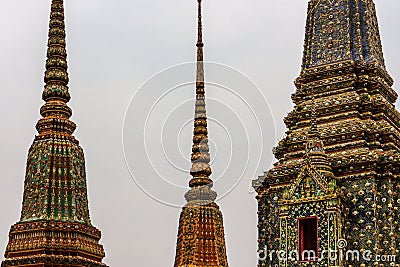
(114, 47)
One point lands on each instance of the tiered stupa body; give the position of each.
(55, 227)
(201, 238)
(350, 190)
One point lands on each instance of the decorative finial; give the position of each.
(56, 75)
(200, 27)
(314, 124)
(55, 111)
(314, 142)
(200, 45)
(201, 183)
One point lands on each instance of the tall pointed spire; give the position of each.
(55, 227)
(201, 183)
(56, 75)
(55, 111)
(200, 45)
(201, 238)
(56, 128)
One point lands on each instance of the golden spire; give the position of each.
(200, 45)
(55, 111)
(201, 237)
(201, 183)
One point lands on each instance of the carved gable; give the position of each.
(310, 183)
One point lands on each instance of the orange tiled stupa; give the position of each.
(201, 239)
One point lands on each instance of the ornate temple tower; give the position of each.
(201, 239)
(336, 184)
(55, 228)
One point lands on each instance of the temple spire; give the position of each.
(55, 226)
(56, 75)
(200, 45)
(201, 238)
(200, 183)
(55, 112)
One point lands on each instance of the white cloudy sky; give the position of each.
(114, 47)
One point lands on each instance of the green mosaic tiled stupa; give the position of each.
(55, 227)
